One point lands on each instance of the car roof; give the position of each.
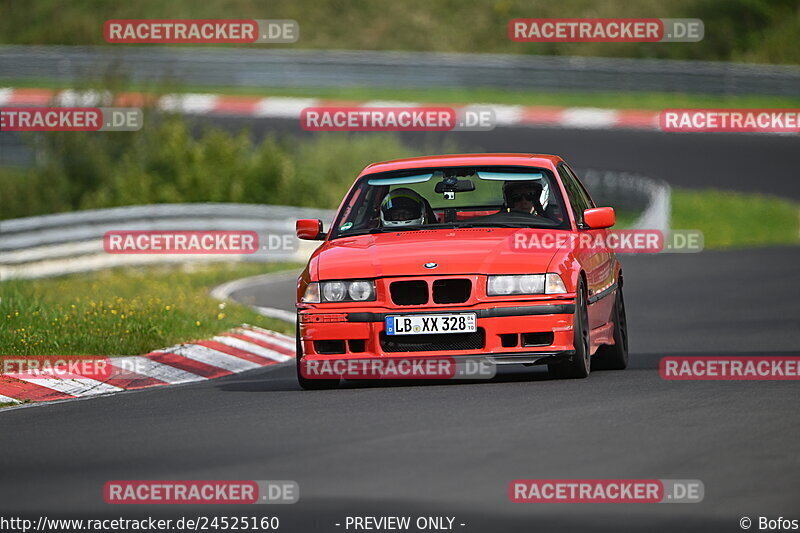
(454, 160)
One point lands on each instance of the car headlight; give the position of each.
(525, 284)
(334, 291)
(340, 291)
(361, 291)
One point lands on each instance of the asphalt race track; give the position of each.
(452, 448)
(765, 163)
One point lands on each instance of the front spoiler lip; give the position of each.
(519, 358)
(494, 312)
(530, 358)
(498, 358)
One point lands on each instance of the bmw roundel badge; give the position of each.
(431, 265)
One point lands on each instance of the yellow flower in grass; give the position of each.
(197, 323)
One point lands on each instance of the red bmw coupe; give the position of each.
(464, 256)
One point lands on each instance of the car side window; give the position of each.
(584, 193)
(576, 198)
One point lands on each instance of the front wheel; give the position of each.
(615, 356)
(306, 383)
(578, 366)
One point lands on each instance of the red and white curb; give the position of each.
(287, 107)
(243, 348)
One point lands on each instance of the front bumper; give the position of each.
(543, 332)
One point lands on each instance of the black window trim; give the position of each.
(334, 232)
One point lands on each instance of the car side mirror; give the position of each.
(599, 217)
(309, 229)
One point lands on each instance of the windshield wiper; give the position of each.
(379, 230)
(494, 225)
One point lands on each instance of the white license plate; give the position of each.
(422, 324)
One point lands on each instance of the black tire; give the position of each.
(615, 357)
(306, 383)
(578, 366)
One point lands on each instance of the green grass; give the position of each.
(743, 30)
(733, 219)
(125, 311)
(625, 218)
(436, 95)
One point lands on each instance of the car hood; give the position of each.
(459, 251)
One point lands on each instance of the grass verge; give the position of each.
(124, 311)
(734, 219)
(749, 30)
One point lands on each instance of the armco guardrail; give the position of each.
(632, 192)
(259, 67)
(73, 242)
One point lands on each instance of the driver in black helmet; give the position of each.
(523, 197)
(402, 207)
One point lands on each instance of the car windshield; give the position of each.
(411, 200)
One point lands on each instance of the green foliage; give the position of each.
(738, 30)
(166, 162)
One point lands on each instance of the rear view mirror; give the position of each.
(455, 186)
(599, 217)
(309, 229)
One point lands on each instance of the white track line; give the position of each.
(153, 369)
(390, 103)
(212, 357)
(504, 115)
(270, 333)
(6, 399)
(5, 95)
(71, 98)
(283, 107)
(200, 104)
(73, 386)
(280, 314)
(267, 338)
(233, 342)
(589, 117)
